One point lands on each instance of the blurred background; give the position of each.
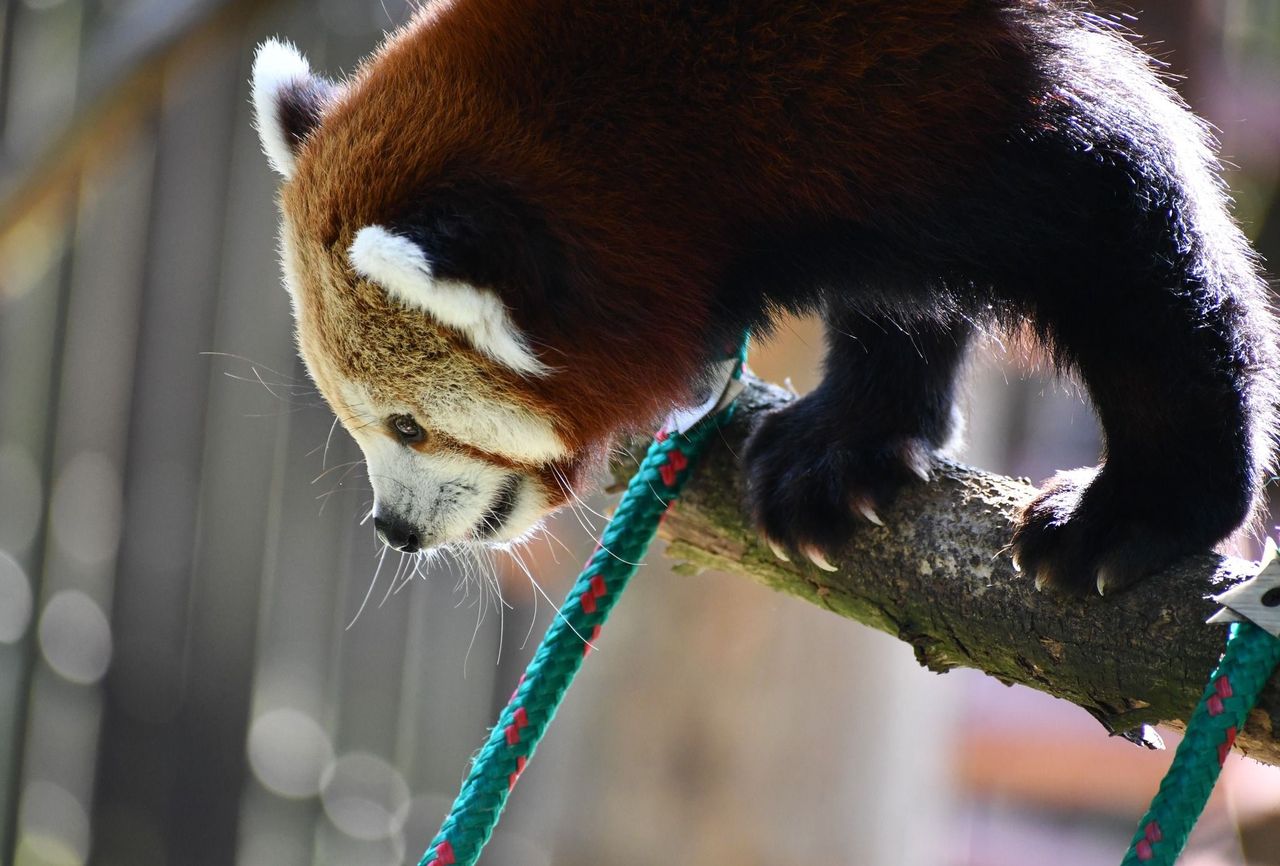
(201, 664)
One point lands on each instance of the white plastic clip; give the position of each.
(1257, 600)
(683, 420)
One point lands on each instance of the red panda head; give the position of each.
(469, 301)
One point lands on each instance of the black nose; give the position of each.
(397, 534)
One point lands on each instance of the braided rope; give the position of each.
(659, 480)
(1251, 656)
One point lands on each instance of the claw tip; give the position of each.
(869, 513)
(819, 560)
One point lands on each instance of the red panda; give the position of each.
(523, 226)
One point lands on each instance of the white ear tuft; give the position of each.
(401, 267)
(278, 68)
(390, 259)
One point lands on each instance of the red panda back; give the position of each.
(653, 135)
(615, 190)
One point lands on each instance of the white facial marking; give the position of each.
(403, 270)
(499, 428)
(276, 65)
(446, 497)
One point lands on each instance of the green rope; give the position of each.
(659, 480)
(1251, 656)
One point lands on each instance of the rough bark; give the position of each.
(939, 576)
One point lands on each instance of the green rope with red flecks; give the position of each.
(1248, 662)
(662, 474)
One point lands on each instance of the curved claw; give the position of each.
(919, 466)
(865, 509)
(917, 457)
(777, 550)
(816, 557)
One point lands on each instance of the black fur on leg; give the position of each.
(1157, 304)
(1174, 373)
(833, 459)
(1101, 224)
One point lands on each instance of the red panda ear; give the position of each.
(402, 268)
(288, 101)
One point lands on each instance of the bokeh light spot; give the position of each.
(85, 512)
(289, 751)
(75, 637)
(15, 600)
(53, 827)
(364, 796)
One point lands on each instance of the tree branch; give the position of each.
(939, 576)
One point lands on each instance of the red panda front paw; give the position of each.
(1085, 533)
(808, 495)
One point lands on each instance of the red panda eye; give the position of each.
(406, 429)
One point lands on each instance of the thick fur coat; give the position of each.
(523, 226)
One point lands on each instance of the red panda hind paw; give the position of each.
(1079, 538)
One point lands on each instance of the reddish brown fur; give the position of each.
(640, 180)
(802, 101)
